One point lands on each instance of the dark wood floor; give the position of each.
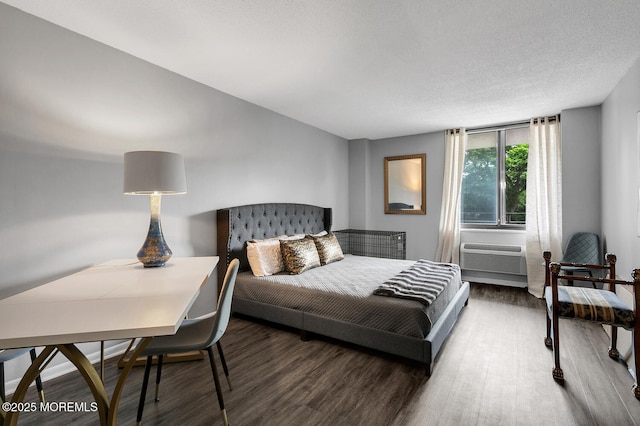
(494, 369)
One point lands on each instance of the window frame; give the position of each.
(501, 181)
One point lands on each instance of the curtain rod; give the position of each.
(511, 125)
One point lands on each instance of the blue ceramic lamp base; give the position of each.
(154, 252)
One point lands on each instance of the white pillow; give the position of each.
(265, 257)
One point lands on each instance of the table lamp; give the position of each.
(154, 173)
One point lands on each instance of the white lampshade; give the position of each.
(149, 172)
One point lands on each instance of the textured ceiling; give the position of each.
(377, 68)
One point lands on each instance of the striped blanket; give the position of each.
(423, 281)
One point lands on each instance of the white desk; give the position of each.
(119, 299)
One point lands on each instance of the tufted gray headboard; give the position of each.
(237, 225)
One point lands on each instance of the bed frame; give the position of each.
(237, 225)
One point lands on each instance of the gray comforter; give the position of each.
(344, 291)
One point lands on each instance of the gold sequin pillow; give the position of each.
(329, 249)
(299, 255)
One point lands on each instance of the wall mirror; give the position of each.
(405, 181)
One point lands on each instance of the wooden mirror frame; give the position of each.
(422, 180)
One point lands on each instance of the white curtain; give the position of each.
(544, 199)
(449, 231)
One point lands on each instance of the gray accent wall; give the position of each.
(422, 230)
(70, 107)
(580, 130)
(621, 170)
(359, 184)
(620, 201)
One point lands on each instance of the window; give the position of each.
(494, 179)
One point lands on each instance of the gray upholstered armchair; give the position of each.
(582, 248)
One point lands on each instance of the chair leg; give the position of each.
(547, 340)
(613, 350)
(216, 380)
(557, 371)
(102, 360)
(224, 364)
(158, 375)
(39, 387)
(3, 395)
(636, 350)
(143, 391)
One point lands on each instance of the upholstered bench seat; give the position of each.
(593, 305)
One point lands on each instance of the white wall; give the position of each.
(70, 107)
(620, 159)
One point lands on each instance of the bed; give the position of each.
(334, 300)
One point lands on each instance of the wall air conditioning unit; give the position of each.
(496, 258)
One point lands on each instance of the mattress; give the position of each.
(343, 291)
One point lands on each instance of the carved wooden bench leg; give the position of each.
(636, 342)
(547, 340)
(557, 371)
(613, 350)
